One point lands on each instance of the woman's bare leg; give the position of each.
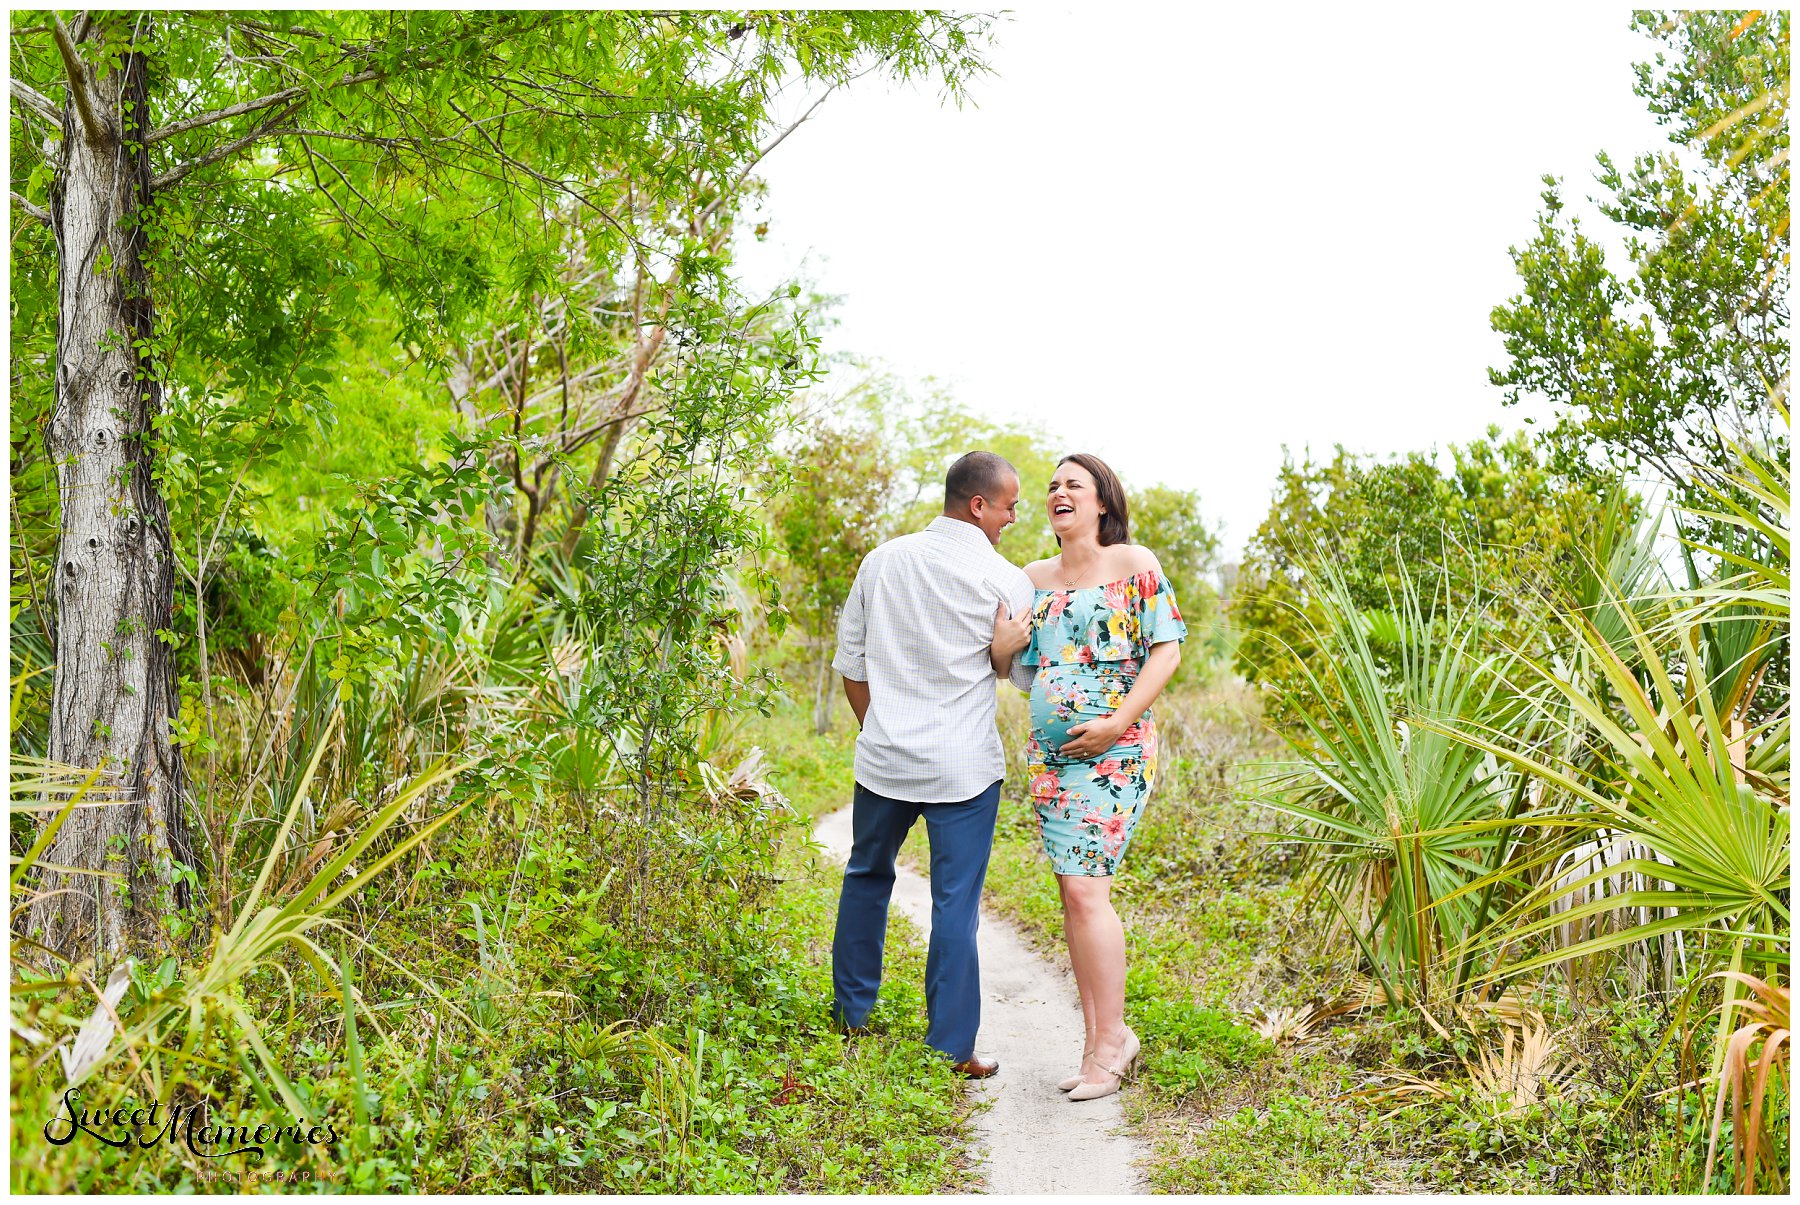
(1089, 1016)
(1097, 952)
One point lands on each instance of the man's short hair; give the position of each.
(975, 473)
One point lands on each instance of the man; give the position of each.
(932, 620)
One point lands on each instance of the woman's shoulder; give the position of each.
(1131, 559)
(1043, 573)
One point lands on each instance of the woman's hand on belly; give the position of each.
(1091, 738)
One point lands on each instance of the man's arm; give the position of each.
(858, 694)
(852, 632)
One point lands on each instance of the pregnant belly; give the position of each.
(1063, 696)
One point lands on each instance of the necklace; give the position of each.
(1068, 576)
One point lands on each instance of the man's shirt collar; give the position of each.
(961, 530)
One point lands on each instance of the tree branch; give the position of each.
(508, 161)
(178, 172)
(97, 130)
(36, 211)
(761, 154)
(253, 106)
(37, 102)
(225, 114)
(615, 435)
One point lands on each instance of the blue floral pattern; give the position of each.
(1089, 645)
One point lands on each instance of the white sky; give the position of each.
(1182, 239)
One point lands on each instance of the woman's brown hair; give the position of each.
(1115, 525)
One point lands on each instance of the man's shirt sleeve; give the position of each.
(852, 631)
(1022, 597)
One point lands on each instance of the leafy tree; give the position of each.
(220, 201)
(671, 530)
(1501, 524)
(1679, 364)
(1168, 521)
(1665, 365)
(839, 509)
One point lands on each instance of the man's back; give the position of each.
(917, 628)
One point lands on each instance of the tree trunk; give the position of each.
(822, 692)
(114, 694)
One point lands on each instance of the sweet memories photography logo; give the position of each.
(191, 1125)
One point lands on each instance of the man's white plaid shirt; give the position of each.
(917, 627)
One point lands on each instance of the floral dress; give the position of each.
(1088, 645)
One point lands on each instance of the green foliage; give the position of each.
(835, 515)
(1661, 366)
(1293, 1145)
(417, 179)
(1395, 811)
(1709, 849)
(1195, 1048)
(1500, 521)
(669, 531)
(840, 507)
(1168, 521)
(740, 1086)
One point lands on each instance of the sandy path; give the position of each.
(1034, 1140)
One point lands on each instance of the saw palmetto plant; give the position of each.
(1714, 850)
(1396, 815)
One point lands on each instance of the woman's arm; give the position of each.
(1011, 635)
(1097, 736)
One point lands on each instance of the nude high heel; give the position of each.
(1073, 1081)
(1106, 1087)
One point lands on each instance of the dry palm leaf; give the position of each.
(1521, 1072)
(737, 654)
(1287, 1025)
(96, 1034)
(569, 658)
(1509, 1008)
(747, 780)
(1768, 1011)
(1368, 992)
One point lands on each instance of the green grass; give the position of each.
(816, 773)
(1290, 1144)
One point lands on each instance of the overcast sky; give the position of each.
(1182, 240)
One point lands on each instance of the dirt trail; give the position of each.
(1034, 1140)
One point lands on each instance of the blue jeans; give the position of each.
(962, 837)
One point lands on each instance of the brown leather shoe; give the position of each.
(976, 1067)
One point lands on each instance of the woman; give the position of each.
(1105, 639)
